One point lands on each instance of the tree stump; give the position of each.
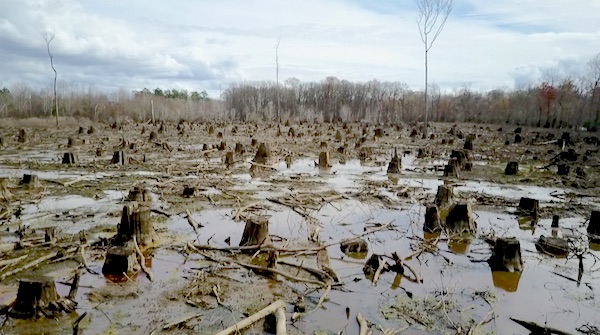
(354, 246)
(135, 220)
(338, 136)
(563, 169)
(528, 206)
(37, 296)
(506, 255)
(211, 130)
(395, 164)
(100, 152)
(189, 191)
(512, 168)
(229, 159)
(452, 169)
(118, 158)
(324, 161)
(139, 194)
(462, 157)
(555, 219)
(593, 228)
(2, 142)
(432, 220)
(120, 260)
(263, 154)
(421, 153)
(378, 132)
(469, 142)
(50, 235)
(444, 195)
(71, 142)
(460, 219)
(554, 246)
(153, 136)
(414, 133)
(30, 181)
(220, 134)
(69, 158)
(256, 232)
(81, 130)
(239, 149)
(518, 139)
(222, 146)
(91, 130)
(253, 142)
(22, 136)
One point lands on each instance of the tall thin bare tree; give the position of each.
(48, 37)
(431, 20)
(277, 77)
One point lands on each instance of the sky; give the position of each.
(209, 44)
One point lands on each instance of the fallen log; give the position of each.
(36, 262)
(272, 308)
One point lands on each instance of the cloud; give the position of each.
(197, 45)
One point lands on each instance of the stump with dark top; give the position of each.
(512, 168)
(69, 158)
(118, 158)
(263, 154)
(37, 296)
(139, 194)
(528, 206)
(256, 232)
(30, 181)
(452, 169)
(22, 136)
(432, 220)
(554, 246)
(120, 260)
(506, 255)
(324, 161)
(593, 228)
(354, 246)
(395, 164)
(460, 219)
(444, 195)
(135, 221)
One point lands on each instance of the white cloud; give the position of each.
(202, 45)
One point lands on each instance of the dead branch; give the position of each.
(253, 318)
(149, 273)
(34, 263)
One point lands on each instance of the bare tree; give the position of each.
(431, 20)
(277, 77)
(48, 37)
(594, 69)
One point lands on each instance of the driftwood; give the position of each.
(272, 308)
(36, 262)
(534, 328)
(142, 260)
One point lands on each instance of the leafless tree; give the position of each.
(594, 67)
(431, 20)
(48, 37)
(277, 77)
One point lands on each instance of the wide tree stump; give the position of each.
(139, 194)
(324, 161)
(69, 158)
(554, 246)
(153, 136)
(118, 158)
(5, 194)
(506, 255)
(136, 221)
(50, 235)
(395, 164)
(460, 219)
(421, 153)
(378, 132)
(37, 297)
(469, 142)
(120, 260)
(512, 168)
(30, 181)
(239, 149)
(432, 220)
(563, 169)
(256, 232)
(263, 154)
(530, 207)
(189, 191)
(253, 142)
(518, 139)
(593, 228)
(222, 146)
(444, 195)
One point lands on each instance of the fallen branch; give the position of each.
(364, 326)
(534, 328)
(191, 221)
(142, 260)
(178, 322)
(297, 316)
(34, 263)
(12, 261)
(253, 318)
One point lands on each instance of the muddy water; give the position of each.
(536, 294)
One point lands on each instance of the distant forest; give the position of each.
(561, 102)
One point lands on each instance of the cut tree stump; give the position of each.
(394, 167)
(50, 235)
(118, 158)
(432, 220)
(153, 136)
(222, 146)
(518, 139)
(554, 246)
(506, 255)
(464, 159)
(263, 154)
(139, 194)
(460, 219)
(593, 228)
(444, 195)
(452, 169)
(421, 153)
(2, 142)
(135, 220)
(37, 297)
(100, 152)
(120, 260)
(555, 219)
(324, 161)
(354, 246)
(69, 158)
(5, 194)
(563, 169)
(512, 168)
(378, 132)
(189, 191)
(256, 232)
(30, 181)
(239, 149)
(229, 159)
(22, 136)
(469, 142)
(530, 207)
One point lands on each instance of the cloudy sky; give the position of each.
(208, 44)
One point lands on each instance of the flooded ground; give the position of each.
(455, 290)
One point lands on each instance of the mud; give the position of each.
(458, 289)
